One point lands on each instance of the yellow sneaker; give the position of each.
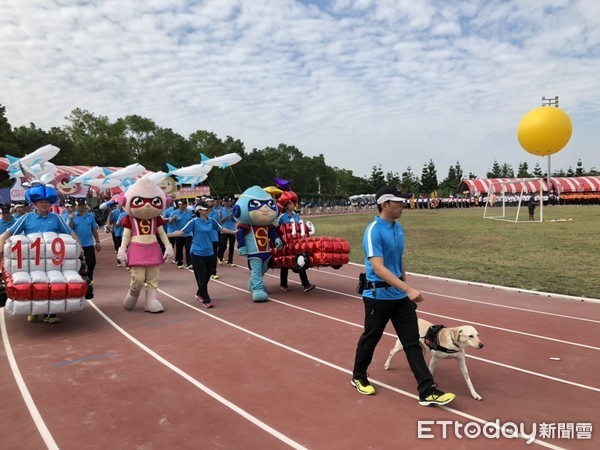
(51, 319)
(363, 386)
(32, 318)
(436, 397)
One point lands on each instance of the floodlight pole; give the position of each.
(549, 102)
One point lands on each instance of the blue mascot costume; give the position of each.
(255, 212)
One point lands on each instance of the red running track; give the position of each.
(277, 374)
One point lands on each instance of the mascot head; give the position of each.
(255, 207)
(144, 200)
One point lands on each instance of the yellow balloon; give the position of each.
(544, 131)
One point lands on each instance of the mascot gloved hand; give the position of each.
(144, 202)
(255, 212)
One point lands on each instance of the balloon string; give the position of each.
(235, 179)
(212, 188)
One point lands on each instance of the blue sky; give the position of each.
(364, 82)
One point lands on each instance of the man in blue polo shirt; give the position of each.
(387, 296)
(7, 220)
(177, 220)
(65, 214)
(19, 211)
(84, 224)
(38, 221)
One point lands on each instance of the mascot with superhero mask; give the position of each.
(255, 213)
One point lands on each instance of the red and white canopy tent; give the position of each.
(517, 185)
(576, 184)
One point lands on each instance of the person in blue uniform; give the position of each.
(65, 214)
(84, 224)
(227, 241)
(177, 220)
(213, 213)
(40, 220)
(116, 228)
(388, 297)
(7, 220)
(204, 258)
(289, 216)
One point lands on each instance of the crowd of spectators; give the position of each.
(367, 204)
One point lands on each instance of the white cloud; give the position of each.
(363, 82)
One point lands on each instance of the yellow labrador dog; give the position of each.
(450, 343)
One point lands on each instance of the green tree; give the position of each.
(377, 179)
(138, 132)
(315, 178)
(450, 184)
(392, 179)
(348, 184)
(205, 142)
(161, 147)
(579, 171)
(67, 156)
(537, 171)
(429, 181)
(97, 141)
(523, 171)
(496, 171)
(30, 138)
(409, 182)
(507, 171)
(8, 143)
(253, 170)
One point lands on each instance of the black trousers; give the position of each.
(283, 277)
(89, 256)
(215, 253)
(181, 243)
(203, 267)
(403, 315)
(117, 240)
(226, 241)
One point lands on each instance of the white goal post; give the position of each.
(505, 199)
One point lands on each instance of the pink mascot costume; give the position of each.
(144, 203)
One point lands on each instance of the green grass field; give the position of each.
(562, 257)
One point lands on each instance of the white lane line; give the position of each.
(497, 305)
(35, 414)
(199, 385)
(516, 308)
(517, 369)
(508, 330)
(523, 333)
(339, 368)
(422, 311)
